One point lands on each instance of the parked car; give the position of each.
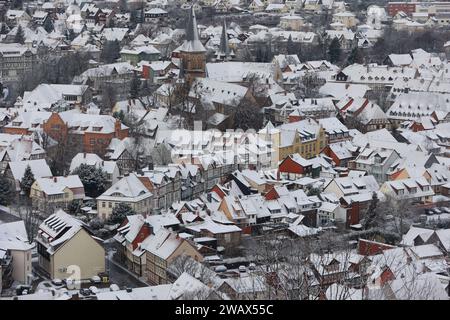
(85, 292)
(221, 268)
(57, 282)
(94, 289)
(114, 287)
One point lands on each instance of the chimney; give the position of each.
(117, 127)
(150, 166)
(209, 196)
(148, 229)
(84, 155)
(55, 179)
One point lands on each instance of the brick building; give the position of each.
(407, 7)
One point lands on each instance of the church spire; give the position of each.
(224, 47)
(192, 43)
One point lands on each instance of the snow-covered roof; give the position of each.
(38, 167)
(57, 185)
(213, 227)
(13, 236)
(57, 229)
(129, 188)
(92, 159)
(162, 221)
(162, 244)
(111, 34)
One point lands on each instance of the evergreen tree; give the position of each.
(70, 35)
(17, 4)
(3, 29)
(94, 179)
(334, 51)
(111, 51)
(291, 47)
(20, 36)
(145, 88)
(48, 25)
(135, 86)
(123, 7)
(6, 191)
(355, 56)
(27, 180)
(134, 19)
(120, 212)
(371, 214)
(119, 115)
(313, 192)
(74, 206)
(142, 15)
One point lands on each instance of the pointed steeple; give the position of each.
(224, 47)
(192, 43)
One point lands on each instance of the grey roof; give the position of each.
(192, 43)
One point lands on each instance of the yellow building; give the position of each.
(305, 137)
(348, 19)
(67, 250)
(129, 190)
(56, 192)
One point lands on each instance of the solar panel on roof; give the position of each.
(50, 219)
(53, 223)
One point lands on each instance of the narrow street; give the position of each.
(119, 274)
(6, 216)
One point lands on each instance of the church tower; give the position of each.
(192, 52)
(224, 53)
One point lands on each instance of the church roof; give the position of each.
(192, 42)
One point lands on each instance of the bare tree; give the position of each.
(29, 215)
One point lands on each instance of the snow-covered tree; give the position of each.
(291, 47)
(19, 37)
(94, 179)
(335, 51)
(120, 212)
(74, 206)
(110, 52)
(27, 180)
(135, 86)
(5, 191)
(161, 155)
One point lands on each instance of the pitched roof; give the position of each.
(56, 185)
(162, 244)
(128, 187)
(38, 167)
(192, 42)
